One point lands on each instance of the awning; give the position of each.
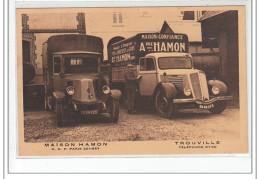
(210, 14)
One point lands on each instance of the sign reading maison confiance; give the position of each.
(142, 44)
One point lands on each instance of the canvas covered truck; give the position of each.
(73, 82)
(167, 73)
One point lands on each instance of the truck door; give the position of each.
(148, 81)
(57, 69)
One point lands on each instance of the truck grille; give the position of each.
(84, 88)
(204, 86)
(195, 82)
(96, 87)
(199, 85)
(177, 81)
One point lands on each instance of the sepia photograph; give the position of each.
(132, 81)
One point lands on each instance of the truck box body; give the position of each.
(71, 42)
(130, 50)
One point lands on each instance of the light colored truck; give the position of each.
(167, 73)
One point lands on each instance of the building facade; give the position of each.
(220, 29)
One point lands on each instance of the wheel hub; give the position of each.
(163, 104)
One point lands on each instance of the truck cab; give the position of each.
(157, 67)
(173, 82)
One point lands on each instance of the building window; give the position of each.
(117, 18)
(192, 15)
(114, 18)
(188, 15)
(120, 18)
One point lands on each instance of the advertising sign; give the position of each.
(142, 44)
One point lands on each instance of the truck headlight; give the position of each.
(215, 90)
(106, 89)
(90, 96)
(187, 91)
(70, 90)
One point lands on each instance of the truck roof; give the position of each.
(74, 42)
(75, 52)
(168, 54)
(72, 36)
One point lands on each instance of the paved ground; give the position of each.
(187, 125)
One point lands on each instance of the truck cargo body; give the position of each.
(130, 50)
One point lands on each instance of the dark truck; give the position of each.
(167, 73)
(73, 82)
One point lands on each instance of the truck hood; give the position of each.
(179, 71)
(85, 86)
(81, 76)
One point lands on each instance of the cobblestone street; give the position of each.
(187, 125)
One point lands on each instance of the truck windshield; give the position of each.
(174, 63)
(87, 64)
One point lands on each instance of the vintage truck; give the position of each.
(73, 82)
(167, 73)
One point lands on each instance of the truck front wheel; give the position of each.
(113, 110)
(59, 114)
(164, 107)
(219, 107)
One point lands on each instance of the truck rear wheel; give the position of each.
(28, 72)
(113, 110)
(164, 107)
(219, 107)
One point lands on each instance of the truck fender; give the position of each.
(169, 89)
(115, 94)
(58, 95)
(223, 90)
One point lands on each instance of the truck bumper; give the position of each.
(96, 106)
(191, 100)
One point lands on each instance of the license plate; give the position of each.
(206, 106)
(88, 112)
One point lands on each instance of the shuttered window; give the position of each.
(117, 18)
(114, 18)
